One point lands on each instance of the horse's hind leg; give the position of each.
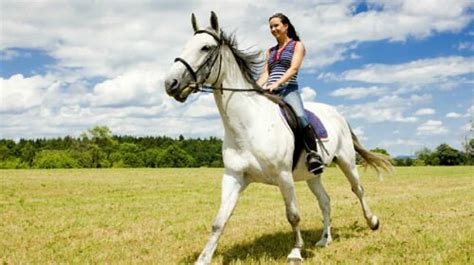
(348, 166)
(318, 190)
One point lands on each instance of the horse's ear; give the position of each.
(194, 22)
(214, 22)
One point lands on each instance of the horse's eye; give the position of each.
(206, 48)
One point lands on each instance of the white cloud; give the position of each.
(359, 132)
(431, 127)
(468, 129)
(203, 107)
(358, 92)
(136, 88)
(355, 56)
(399, 142)
(18, 94)
(418, 72)
(426, 111)
(453, 115)
(466, 45)
(7, 55)
(389, 108)
(470, 111)
(109, 38)
(308, 94)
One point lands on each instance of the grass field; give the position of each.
(163, 216)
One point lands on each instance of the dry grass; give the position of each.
(163, 216)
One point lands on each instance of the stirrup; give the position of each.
(314, 163)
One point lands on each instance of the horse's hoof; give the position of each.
(374, 224)
(295, 257)
(294, 261)
(323, 243)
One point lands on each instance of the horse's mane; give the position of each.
(249, 61)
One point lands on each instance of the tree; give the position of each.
(101, 136)
(28, 153)
(448, 156)
(128, 148)
(173, 156)
(4, 152)
(380, 151)
(151, 157)
(468, 151)
(132, 160)
(425, 155)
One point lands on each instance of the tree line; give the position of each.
(99, 148)
(443, 155)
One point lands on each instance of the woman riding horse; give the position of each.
(280, 77)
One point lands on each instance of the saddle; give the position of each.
(292, 121)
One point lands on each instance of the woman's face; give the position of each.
(277, 28)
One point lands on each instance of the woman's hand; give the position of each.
(271, 87)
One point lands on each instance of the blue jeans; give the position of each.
(290, 95)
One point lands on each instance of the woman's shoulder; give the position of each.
(298, 42)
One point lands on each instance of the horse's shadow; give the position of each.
(278, 245)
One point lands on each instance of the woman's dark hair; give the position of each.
(285, 20)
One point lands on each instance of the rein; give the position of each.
(201, 87)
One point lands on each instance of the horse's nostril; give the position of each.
(171, 84)
(174, 82)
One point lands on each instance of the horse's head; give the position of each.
(195, 64)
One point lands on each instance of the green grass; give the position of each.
(163, 216)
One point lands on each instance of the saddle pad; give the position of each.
(318, 126)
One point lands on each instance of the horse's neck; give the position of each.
(239, 110)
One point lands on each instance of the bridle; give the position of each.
(215, 52)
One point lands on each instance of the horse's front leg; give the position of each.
(287, 189)
(232, 185)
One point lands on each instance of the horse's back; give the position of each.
(334, 122)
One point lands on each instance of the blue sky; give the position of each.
(401, 72)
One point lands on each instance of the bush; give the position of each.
(418, 163)
(54, 159)
(14, 163)
(217, 163)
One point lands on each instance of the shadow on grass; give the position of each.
(278, 245)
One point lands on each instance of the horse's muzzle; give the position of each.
(172, 86)
(175, 89)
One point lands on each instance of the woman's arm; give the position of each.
(298, 55)
(264, 76)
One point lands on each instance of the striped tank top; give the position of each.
(279, 61)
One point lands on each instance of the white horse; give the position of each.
(258, 145)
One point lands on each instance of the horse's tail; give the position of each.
(372, 159)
